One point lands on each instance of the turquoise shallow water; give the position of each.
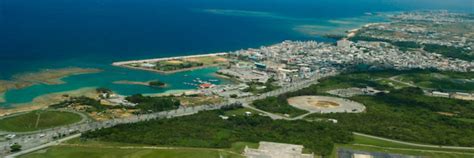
(106, 79)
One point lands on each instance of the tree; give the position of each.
(15, 147)
(103, 90)
(156, 83)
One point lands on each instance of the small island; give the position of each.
(152, 83)
(156, 83)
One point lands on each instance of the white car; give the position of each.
(10, 136)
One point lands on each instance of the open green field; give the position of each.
(37, 120)
(240, 112)
(431, 79)
(278, 105)
(100, 149)
(363, 143)
(448, 81)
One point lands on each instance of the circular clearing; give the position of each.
(325, 104)
(37, 120)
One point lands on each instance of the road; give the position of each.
(394, 79)
(414, 144)
(43, 146)
(33, 142)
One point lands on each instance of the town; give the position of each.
(280, 74)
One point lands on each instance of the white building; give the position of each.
(276, 150)
(305, 72)
(344, 44)
(440, 94)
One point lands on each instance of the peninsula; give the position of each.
(176, 64)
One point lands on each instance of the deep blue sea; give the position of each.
(39, 34)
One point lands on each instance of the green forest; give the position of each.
(404, 114)
(278, 105)
(449, 51)
(153, 104)
(207, 129)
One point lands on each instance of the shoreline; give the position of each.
(44, 76)
(167, 72)
(146, 83)
(169, 92)
(119, 63)
(351, 33)
(126, 64)
(46, 100)
(2, 97)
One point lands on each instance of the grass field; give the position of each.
(200, 100)
(37, 120)
(241, 111)
(98, 149)
(208, 60)
(362, 143)
(450, 81)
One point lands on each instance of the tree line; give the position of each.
(207, 129)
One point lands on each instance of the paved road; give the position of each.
(395, 79)
(50, 135)
(47, 136)
(43, 146)
(414, 144)
(31, 142)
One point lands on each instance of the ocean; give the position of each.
(94, 33)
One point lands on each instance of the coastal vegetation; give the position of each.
(153, 104)
(153, 83)
(103, 90)
(37, 120)
(43, 101)
(178, 65)
(188, 63)
(190, 131)
(90, 105)
(156, 83)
